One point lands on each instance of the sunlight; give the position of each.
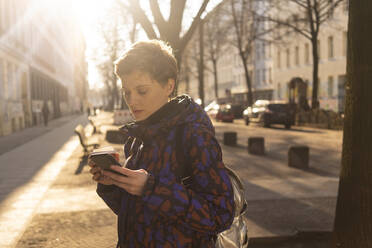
(88, 12)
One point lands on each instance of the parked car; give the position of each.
(237, 110)
(212, 109)
(253, 112)
(225, 114)
(270, 113)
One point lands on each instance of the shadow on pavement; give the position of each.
(299, 240)
(296, 129)
(83, 162)
(279, 216)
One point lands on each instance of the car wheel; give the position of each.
(246, 121)
(264, 120)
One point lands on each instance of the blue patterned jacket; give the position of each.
(168, 214)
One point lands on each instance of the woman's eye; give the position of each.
(142, 92)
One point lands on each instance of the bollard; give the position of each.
(229, 138)
(115, 136)
(298, 157)
(256, 145)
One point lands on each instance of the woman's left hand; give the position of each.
(133, 181)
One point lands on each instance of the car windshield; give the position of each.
(278, 107)
(226, 111)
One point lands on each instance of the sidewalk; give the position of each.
(9, 142)
(27, 171)
(281, 200)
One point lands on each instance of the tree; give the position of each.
(168, 30)
(112, 29)
(216, 29)
(201, 62)
(113, 44)
(245, 34)
(353, 225)
(304, 17)
(194, 58)
(185, 71)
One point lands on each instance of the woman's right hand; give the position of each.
(98, 175)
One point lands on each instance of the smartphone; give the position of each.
(104, 161)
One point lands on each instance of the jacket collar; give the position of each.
(171, 114)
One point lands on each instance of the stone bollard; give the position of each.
(256, 145)
(114, 136)
(298, 157)
(229, 138)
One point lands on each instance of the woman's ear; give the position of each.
(170, 86)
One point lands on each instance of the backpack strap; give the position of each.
(183, 170)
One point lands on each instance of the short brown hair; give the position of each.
(154, 57)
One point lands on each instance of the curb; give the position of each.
(299, 239)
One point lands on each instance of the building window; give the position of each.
(15, 82)
(319, 50)
(270, 76)
(4, 66)
(9, 82)
(297, 55)
(330, 86)
(264, 75)
(269, 50)
(307, 53)
(279, 60)
(344, 43)
(258, 76)
(330, 47)
(288, 58)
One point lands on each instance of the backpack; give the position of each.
(237, 235)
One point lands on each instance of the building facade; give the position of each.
(294, 59)
(272, 65)
(41, 59)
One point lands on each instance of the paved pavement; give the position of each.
(9, 142)
(283, 201)
(27, 170)
(53, 202)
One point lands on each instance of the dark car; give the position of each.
(237, 110)
(253, 112)
(277, 113)
(225, 114)
(269, 112)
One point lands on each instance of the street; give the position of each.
(66, 212)
(304, 199)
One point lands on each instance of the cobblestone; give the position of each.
(71, 229)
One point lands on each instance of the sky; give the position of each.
(89, 12)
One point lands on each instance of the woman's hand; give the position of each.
(133, 181)
(98, 175)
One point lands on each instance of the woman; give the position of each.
(154, 208)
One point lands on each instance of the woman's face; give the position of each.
(144, 95)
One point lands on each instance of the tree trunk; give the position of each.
(215, 78)
(314, 100)
(353, 222)
(248, 81)
(178, 56)
(201, 63)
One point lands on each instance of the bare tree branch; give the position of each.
(158, 17)
(176, 15)
(186, 38)
(141, 17)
